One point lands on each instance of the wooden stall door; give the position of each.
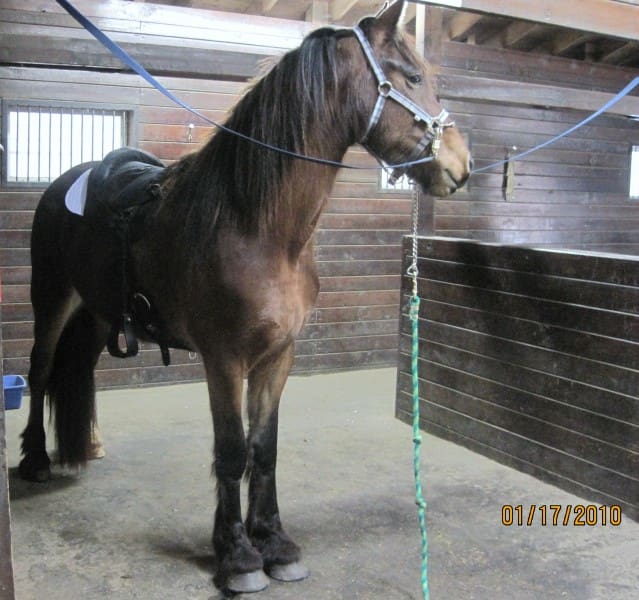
(529, 357)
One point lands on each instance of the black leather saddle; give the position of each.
(121, 191)
(120, 185)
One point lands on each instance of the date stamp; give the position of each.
(561, 515)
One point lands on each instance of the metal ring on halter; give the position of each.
(385, 88)
(433, 125)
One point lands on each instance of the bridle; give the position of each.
(434, 126)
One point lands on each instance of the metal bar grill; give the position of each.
(44, 141)
(403, 184)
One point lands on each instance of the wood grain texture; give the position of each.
(573, 194)
(530, 357)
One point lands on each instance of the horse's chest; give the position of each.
(280, 302)
(274, 292)
(284, 303)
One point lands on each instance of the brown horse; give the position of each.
(220, 248)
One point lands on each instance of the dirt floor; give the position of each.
(137, 524)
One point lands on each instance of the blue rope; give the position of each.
(128, 60)
(622, 94)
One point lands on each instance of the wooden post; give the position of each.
(318, 12)
(420, 29)
(433, 23)
(6, 564)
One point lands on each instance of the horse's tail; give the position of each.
(71, 388)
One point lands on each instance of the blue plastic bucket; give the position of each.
(13, 387)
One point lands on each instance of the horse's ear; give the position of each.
(391, 17)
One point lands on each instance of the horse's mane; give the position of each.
(294, 106)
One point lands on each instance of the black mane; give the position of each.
(295, 107)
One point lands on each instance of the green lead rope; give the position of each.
(413, 273)
(417, 440)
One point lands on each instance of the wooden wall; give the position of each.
(530, 357)
(355, 322)
(573, 194)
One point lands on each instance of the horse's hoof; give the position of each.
(292, 572)
(247, 583)
(96, 446)
(95, 452)
(32, 472)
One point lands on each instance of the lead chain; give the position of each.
(413, 270)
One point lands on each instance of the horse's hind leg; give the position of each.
(53, 305)
(280, 554)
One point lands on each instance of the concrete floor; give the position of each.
(137, 524)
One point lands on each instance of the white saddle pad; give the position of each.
(76, 197)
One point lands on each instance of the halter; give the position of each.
(434, 125)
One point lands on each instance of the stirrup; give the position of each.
(124, 326)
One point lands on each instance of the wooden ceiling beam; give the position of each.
(318, 12)
(607, 17)
(359, 9)
(622, 54)
(462, 25)
(566, 41)
(284, 9)
(521, 35)
(339, 8)
(268, 6)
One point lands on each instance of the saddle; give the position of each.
(121, 185)
(121, 192)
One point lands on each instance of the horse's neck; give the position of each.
(299, 204)
(254, 190)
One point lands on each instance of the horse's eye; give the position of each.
(415, 79)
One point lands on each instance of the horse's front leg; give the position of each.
(280, 554)
(240, 564)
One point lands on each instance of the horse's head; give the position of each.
(400, 117)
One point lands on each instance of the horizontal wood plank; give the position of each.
(523, 356)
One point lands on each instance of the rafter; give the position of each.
(339, 8)
(608, 17)
(621, 54)
(318, 12)
(285, 9)
(352, 11)
(462, 25)
(268, 6)
(522, 35)
(566, 41)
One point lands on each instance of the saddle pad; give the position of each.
(76, 197)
